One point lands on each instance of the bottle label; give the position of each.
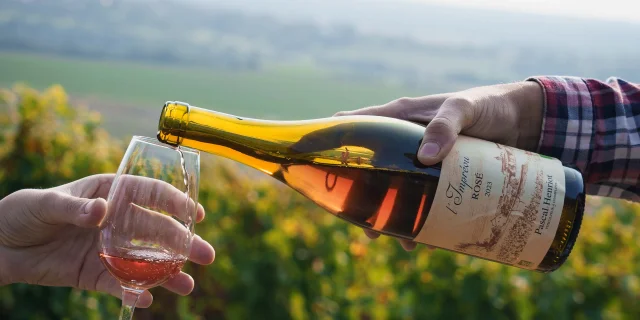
(496, 202)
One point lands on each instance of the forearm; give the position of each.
(593, 126)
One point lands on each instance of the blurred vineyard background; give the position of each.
(78, 78)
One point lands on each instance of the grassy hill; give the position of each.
(447, 49)
(130, 94)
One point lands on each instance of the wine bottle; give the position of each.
(484, 199)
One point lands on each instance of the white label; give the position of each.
(496, 202)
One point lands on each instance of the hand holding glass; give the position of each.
(146, 236)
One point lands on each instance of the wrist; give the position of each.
(530, 104)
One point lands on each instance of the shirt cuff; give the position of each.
(592, 126)
(567, 123)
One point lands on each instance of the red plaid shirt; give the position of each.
(593, 126)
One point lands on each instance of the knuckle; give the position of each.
(400, 108)
(402, 102)
(441, 125)
(48, 199)
(462, 104)
(462, 108)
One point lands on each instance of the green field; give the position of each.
(129, 95)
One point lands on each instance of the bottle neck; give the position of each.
(248, 141)
(261, 144)
(173, 123)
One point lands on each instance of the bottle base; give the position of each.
(558, 254)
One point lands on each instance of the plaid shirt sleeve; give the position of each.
(593, 126)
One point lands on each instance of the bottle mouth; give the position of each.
(174, 119)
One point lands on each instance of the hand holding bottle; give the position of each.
(509, 114)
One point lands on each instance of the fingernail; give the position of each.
(408, 246)
(429, 150)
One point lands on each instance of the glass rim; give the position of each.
(155, 142)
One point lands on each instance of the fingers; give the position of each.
(156, 195)
(94, 186)
(413, 109)
(181, 284)
(127, 220)
(200, 213)
(54, 207)
(371, 234)
(407, 245)
(446, 115)
(95, 213)
(145, 300)
(108, 284)
(386, 110)
(201, 251)
(99, 185)
(442, 132)
(135, 222)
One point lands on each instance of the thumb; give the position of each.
(56, 207)
(441, 132)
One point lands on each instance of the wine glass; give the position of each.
(145, 238)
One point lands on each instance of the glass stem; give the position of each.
(129, 300)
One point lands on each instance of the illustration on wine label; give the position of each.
(504, 208)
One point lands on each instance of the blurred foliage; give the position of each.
(44, 142)
(281, 257)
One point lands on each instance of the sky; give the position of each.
(620, 10)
